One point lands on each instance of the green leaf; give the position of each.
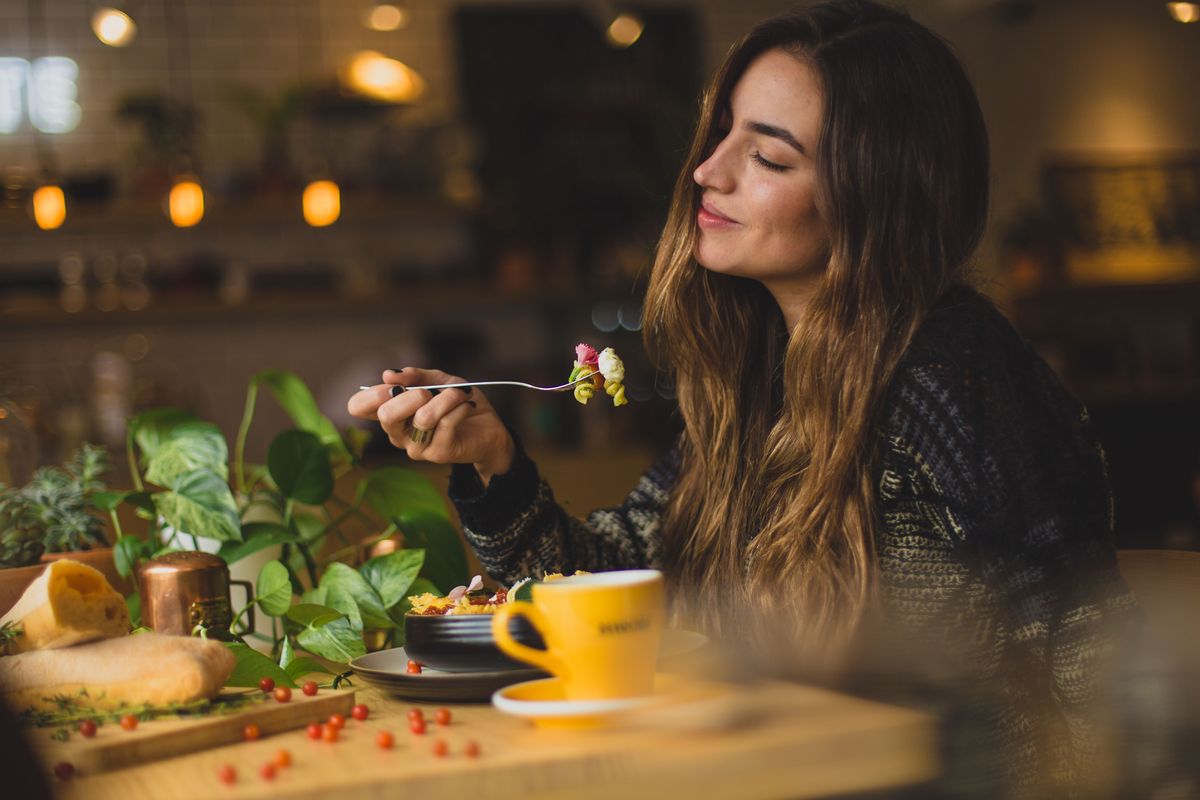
(153, 427)
(315, 596)
(525, 592)
(273, 592)
(191, 446)
(298, 403)
(286, 653)
(396, 491)
(299, 667)
(108, 501)
(201, 504)
(348, 592)
(312, 614)
(255, 536)
(310, 526)
(299, 465)
(392, 575)
(445, 556)
(134, 603)
(252, 666)
(126, 554)
(336, 641)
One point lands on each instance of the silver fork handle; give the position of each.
(397, 389)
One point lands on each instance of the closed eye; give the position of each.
(771, 165)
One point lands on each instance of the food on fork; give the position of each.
(606, 371)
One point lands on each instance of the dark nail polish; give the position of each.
(472, 404)
(394, 369)
(465, 389)
(395, 390)
(435, 392)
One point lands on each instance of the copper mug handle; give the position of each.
(249, 604)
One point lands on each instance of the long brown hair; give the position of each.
(773, 518)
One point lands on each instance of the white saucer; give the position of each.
(543, 703)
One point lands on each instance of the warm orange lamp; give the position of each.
(322, 203)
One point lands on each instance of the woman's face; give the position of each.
(758, 218)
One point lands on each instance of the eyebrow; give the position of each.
(775, 132)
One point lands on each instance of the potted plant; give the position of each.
(55, 515)
(194, 494)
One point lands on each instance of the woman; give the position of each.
(865, 438)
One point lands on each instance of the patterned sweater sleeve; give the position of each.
(518, 530)
(1015, 478)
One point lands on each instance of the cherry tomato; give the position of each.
(330, 733)
(417, 726)
(267, 685)
(310, 688)
(440, 748)
(283, 758)
(472, 749)
(385, 740)
(251, 732)
(87, 728)
(442, 716)
(415, 713)
(414, 667)
(227, 774)
(360, 712)
(283, 694)
(64, 770)
(337, 720)
(267, 771)
(314, 731)
(129, 722)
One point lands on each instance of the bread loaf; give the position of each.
(146, 668)
(69, 603)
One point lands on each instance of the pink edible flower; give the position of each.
(458, 592)
(586, 354)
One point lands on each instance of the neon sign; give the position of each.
(45, 89)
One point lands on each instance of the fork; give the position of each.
(396, 390)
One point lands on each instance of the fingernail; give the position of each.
(395, 390)
(435, 392)
(464, 389)
(472, 404)
(393, 369)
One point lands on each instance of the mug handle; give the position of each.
(504, 640)
(249, 602)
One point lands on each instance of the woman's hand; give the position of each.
(455, 426)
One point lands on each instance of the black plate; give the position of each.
(387, 670)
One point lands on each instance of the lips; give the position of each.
(711, 217)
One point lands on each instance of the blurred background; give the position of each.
(192, 192)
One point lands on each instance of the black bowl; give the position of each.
(463, 642)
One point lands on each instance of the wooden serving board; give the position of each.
(112, 747)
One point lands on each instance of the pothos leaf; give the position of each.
(252, 666)
(273, 592)
(336, 641)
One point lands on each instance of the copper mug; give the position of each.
(189, 588)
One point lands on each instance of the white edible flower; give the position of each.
(611, 366)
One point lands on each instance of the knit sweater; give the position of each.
(996, 564)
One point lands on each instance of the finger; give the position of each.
(448, 425)
(395, 414)
(365, 403)
(428, 415)
(444, 447)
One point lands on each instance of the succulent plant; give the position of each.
(52, 513)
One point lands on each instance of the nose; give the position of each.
(713, 172)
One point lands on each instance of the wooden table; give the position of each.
(798, 742)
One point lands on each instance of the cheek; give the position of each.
(790, 214)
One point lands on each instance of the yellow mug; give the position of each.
(602, 632)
